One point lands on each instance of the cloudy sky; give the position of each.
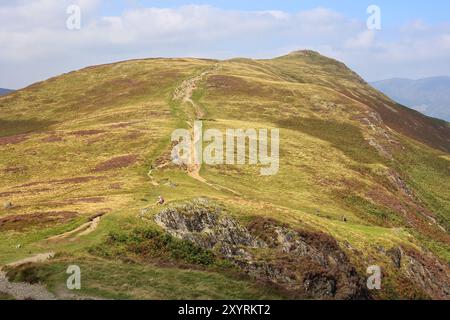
(35, 42)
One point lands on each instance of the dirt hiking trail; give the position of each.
(184, 94)
(82, 230)
(22, 290)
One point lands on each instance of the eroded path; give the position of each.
(184, 94)
(185, 91)
(27, 291)
(82, 230)
(22, 290)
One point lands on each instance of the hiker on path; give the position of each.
(144, 211)
(161, 201)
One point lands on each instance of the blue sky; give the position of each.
(414, 40)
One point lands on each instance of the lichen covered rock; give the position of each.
(306, 264)
(203, 224)
(423, 270)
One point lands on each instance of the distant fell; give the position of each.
(430, 96)
(4, 91)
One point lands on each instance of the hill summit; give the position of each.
(362, 183)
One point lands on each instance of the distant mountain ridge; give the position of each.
(430, 96)
(4, 91)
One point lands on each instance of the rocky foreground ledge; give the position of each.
(307, 264)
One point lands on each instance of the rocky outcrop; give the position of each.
(203, 224)
(311, 263)
(396, 256)
(424, 271)
(306, 264)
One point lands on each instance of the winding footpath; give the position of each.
(184, 94)
(27, 291)
(82, 230)
(22, 290)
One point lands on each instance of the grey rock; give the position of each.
(202, 224)
(396, 256)
(428, 273)
(298, 262)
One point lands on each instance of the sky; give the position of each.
(413, 40)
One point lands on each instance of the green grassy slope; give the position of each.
(83, 143)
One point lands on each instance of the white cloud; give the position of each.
(445, 40)
(364, 39)
(36, 43)
(415, 25)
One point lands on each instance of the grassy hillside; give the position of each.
(353, 165)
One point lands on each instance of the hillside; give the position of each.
(430, 96)
(362, 181)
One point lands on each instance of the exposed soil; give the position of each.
(185, 91)
(184, 94)
(82, 230)
(26, 291)
(32, 289)
(34, 259)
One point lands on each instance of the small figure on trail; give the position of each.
(344, 219)
(161, 201)
(146, 210)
